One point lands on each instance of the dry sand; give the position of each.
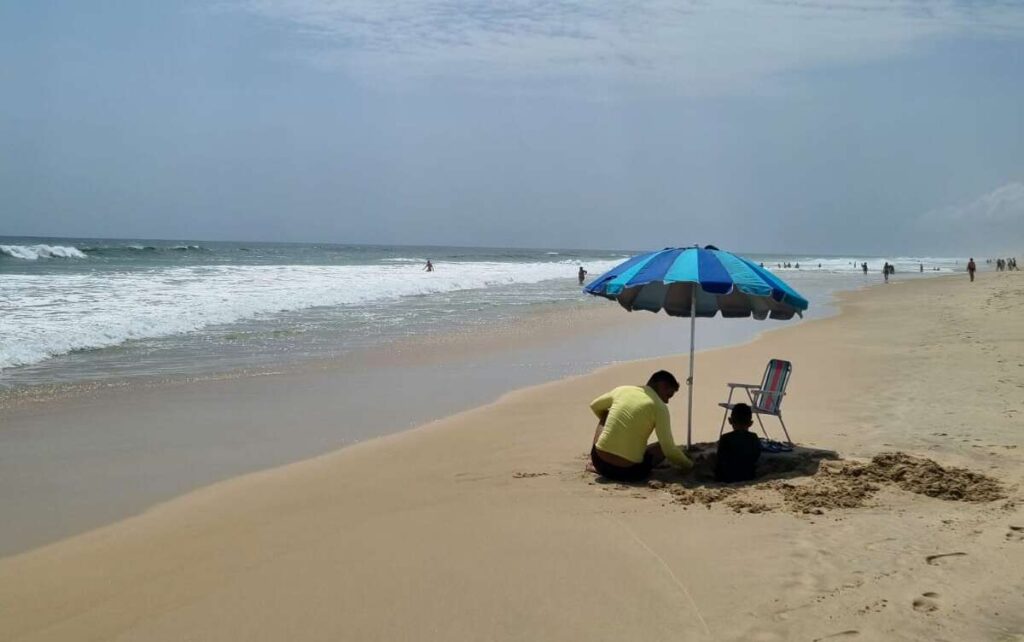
(486, 525)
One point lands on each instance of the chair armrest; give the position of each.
(766, 392)
(743, 385)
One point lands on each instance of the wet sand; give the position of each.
(73, 459)
(486, 524)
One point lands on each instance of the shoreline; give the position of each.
(101, 453)
(83, 457)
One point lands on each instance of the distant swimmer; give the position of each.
(429, 267)
(582, 274)
(971, 268)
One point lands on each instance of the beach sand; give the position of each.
(487, 526)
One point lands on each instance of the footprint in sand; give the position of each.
(934, 559)
(852, 633)
(1015, 534)
(926, 603)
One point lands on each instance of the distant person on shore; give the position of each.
(626, 417)
(429, 267)
(922, 267)
(885, 271)
(738, 450)
(971, 268)
(864, 266)
(582, 275)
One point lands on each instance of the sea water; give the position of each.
(75, 310)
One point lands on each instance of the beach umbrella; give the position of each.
(698, 282)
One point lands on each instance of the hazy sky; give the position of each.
(866, 126)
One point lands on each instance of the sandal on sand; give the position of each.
(771, 446)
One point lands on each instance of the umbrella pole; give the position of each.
(689, 380)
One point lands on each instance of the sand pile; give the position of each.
(926, 477)
(813, 482)
(831, 488)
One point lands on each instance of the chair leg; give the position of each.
(726, 413)
(753, 404)
(788, 440)
(761, 423)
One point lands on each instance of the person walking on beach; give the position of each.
(429, 267)
(582, 275)
(885, 271)
(864, 266)
(626, 417)
(971, 268)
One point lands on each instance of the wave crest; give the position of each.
(36, 252)
(126, 306)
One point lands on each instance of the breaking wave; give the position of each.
(58, 314)
(36, 252)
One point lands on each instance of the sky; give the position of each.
(878, 127)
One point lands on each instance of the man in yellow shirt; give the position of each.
(628, 415)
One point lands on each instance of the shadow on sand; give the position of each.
(811, 481)
(802, 461)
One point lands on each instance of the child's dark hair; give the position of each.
(663, 376)
(741, 413)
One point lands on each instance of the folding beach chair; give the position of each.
(766, 398)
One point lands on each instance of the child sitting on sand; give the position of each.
(739, 450)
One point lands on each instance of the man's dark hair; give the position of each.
(663, 376)
(741, 413)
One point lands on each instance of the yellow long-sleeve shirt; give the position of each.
(633, 413)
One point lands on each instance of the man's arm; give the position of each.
(663, 428)
(602, 405)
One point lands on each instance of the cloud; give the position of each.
(1002, 205)
(993, 221)
(693, 46)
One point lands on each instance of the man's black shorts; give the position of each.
(636, 472)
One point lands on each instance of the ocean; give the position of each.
(82, 310)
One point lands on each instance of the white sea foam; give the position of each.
(46, 315)
(35, 252)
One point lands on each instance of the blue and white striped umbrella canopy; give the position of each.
(728, 283)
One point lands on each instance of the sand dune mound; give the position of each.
(813, 481)
(926, 477)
